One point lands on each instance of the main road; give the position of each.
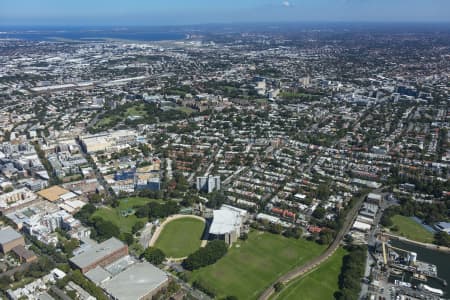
(299, 271)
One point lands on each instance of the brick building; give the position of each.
(99, 255)
(9, 238)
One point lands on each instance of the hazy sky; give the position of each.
(176, 12)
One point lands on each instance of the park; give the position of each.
(251, 266)
(320, 283)
(123, 215)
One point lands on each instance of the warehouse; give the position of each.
(363, 227)
(140, 281)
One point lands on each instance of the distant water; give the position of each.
(90, 34)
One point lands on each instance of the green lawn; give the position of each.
(127, 203)
(181, 237)
(411, 230)
(124, 223)
(186, 110)
(111, 120)
(251, 266)
(320, 284)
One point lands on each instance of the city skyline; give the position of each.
(176, 12)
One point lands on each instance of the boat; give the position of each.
(428, 288)
(420, 277)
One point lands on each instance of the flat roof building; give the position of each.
(227, 223)
(24, 254)
(9, 238)
(99, 255)
(16, 199)
(443, 226)
(140, 281)
(361, 226)
(374, 198)
(52, 193)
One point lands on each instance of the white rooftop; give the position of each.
(136, 282)
(225, 221)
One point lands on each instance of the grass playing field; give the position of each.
(181, 237)
(319, 284)
(411, 230)
(251, 266)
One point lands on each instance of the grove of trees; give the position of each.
(154, 255)
(352, 272)
(208, 255)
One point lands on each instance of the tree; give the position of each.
(442, 238)
(69, 245)
(95, 198)
(157, 210)
(127, 238)
(351, 273)
(85, 213)
(319, 212)
(293, 232)
(154, 255)
(325, 237)
(278, 286)
(323, 191)
(137, 226)
(105, 229)
(208, 255)
(275, 228)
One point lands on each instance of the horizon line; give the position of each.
(308, 22)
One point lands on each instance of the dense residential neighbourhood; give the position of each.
(230, 164)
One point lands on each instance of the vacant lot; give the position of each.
(181, 237)
(411, 230)
(251, 266)
(319, 284)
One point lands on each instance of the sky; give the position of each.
(182, 12)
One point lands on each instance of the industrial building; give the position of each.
(139, 281)
(443, 226)
(99, 254)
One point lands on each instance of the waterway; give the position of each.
(440, 259)
(96, 34)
